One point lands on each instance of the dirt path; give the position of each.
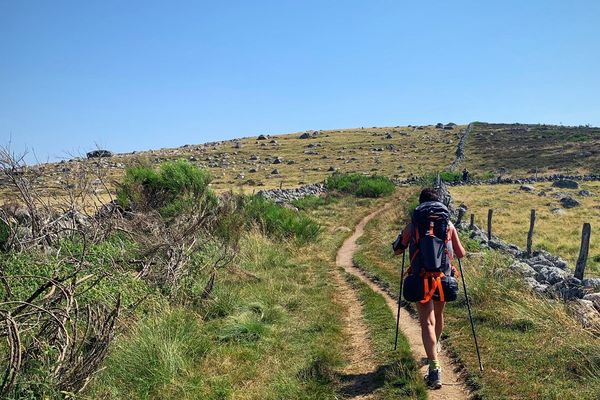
(453, 387)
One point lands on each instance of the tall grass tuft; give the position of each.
(156, 353)
(281, 222)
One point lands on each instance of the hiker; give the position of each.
(465, 174)
(430, 280)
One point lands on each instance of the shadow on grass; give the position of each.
(353, 385)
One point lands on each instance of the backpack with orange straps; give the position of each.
(431, 274)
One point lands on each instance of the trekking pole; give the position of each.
(462, 275)
(399, 300)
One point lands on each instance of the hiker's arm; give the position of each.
(459, 250)
(401, 242)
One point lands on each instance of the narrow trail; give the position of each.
(453, 387)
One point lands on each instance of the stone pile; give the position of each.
(287, 195)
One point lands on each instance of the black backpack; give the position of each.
(430, 222)
(430, 262)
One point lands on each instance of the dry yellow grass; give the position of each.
(559, 233)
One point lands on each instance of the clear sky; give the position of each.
(134, 75)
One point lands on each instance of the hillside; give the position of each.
(521, 149)
(254, 163)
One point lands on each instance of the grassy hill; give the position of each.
(520, 149)
(249, 164)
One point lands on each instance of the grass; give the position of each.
(312, 202)
(398, 372)
(270, 331)
(531, 347)
(558, 233)
(272, 328)
(360, 185)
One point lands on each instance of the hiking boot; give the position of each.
(434, 378)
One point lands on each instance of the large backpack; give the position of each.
(430, 272)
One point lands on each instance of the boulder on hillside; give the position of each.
(527, 188)
(585, 313)
(585, 193)
(305, 135)
(569, 202)
(389, 136)
(99, 154)
(261, 137)
(566, 184)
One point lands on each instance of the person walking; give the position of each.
(430, 281)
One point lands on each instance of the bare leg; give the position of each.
(438, 307)
(428, 325)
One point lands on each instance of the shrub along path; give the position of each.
(453, 387)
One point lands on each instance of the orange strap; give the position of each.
(436, 284)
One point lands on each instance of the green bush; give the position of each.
(174, 187)
(360, 185)
(280, 222)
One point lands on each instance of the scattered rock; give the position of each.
(594, 298)
(566, 184)
(585, 313)
(389, 136)
(569, 202)
(527, 188)
(99, 154)
(585, 193)
(591, 283)
(523, 269)
(568, 289)
(535, 285)
(332, 169)
(275, 172)
(305, 135)
(277, 160)
(342, 229)
(261, 137)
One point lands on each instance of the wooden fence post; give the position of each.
(489, 226)
(583, 251)
(472, 225)
(461, 213)
(530, 234)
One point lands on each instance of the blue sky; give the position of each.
(134, 75)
